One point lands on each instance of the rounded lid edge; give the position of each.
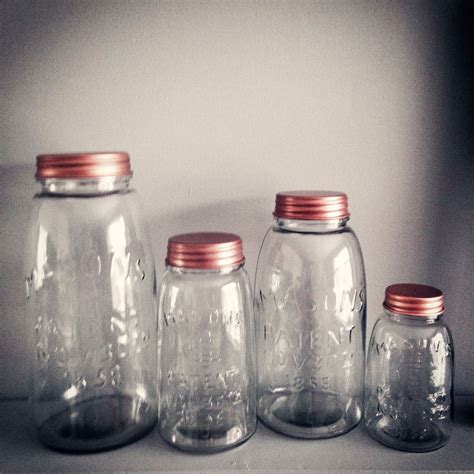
(205, 250)
(311, 205)
(414, 299)
(82, 165)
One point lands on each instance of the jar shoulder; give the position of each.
(345, 237)
(396, 332)
(312, 254)
(74, 228)
(182, 280)
(87, 212)
(199, 298)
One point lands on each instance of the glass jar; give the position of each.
(409, 386)
(207, 353)
(90, 287)
(310, 311)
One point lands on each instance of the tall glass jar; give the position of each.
(90, 287)
(207, 353)
(310, 311)
(409, 386)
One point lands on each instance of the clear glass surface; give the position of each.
(409, 383)
(90, 285)
(207, 359)
(310, 311)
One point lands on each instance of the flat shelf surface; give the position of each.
(265, 451)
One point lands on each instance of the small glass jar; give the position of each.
(90, 283)
(409, 383)
(207, 353)
(310, 311)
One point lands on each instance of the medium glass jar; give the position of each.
(207, 353)
(409, 384)
(310, 311)
(90, 287)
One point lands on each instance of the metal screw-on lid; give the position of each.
(83, 165)
(311, 205)
(414, 300)
(205, 250)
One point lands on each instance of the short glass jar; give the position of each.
(90, 283)
(409, 381)
(310, 312)
(206, 344)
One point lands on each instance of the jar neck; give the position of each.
(313, 226)
(409, 319)
(85, 187)
(206, 271)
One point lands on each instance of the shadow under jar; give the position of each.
(90, 287)
(409, 383)
(310, 313)
(207, 352)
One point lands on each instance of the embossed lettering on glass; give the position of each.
(310, 313)
(409, 382)
(207, 353)
(90, 285)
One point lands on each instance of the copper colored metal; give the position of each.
(311, 205)
(205, 250)
(414, 300)
(83, 165)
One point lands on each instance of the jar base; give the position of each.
(308, 414)
(98, 424)
(206, 441)
(388, 432)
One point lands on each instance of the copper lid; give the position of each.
(414, 300)
(205, 250)
(83, 165)
(311, 205)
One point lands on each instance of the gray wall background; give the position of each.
(222, 104)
